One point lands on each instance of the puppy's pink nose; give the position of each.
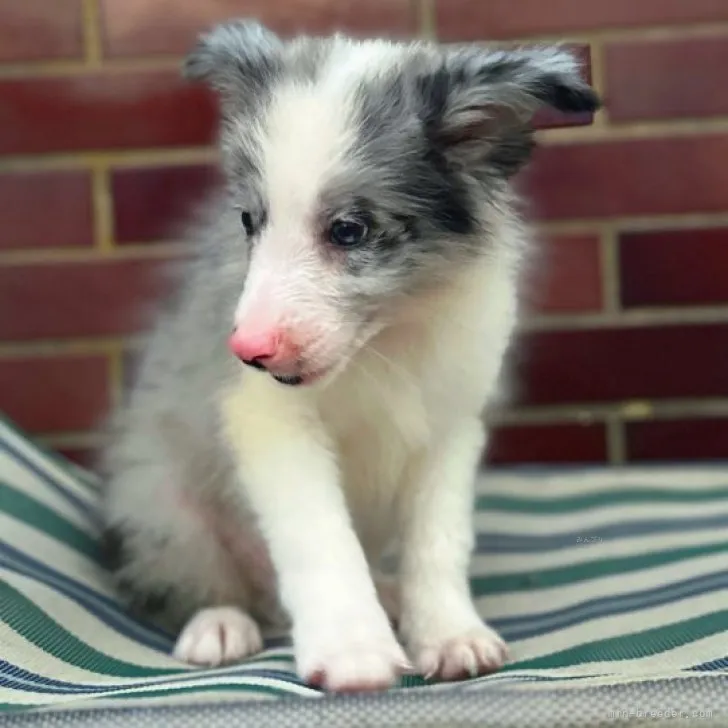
(255, 348)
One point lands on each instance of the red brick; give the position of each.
(551, 443)
(33, 30)
(103, 110)
(674, 267)
(565, 275)
(150, 203)
(495, 19)
(561, 367)
(45, 210)
(685, 174)
(97, 298)
(170, 26)
(678, 78)
(683, 439)
(55, 394)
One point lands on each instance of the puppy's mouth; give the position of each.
(333, 367)
(298, 380)
(290, 381)
(303, 376)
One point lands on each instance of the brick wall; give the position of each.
(624, 351)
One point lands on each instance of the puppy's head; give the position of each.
(363, 173)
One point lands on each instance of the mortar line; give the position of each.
(77, 346)
(93, 44)
(427, 19)
(154, 250)
(598, 80)
(610, 269)
(153, 156)
(647, 33)
(88, 65)
(71, 439)
(627, 318)
(634, 130)
(635, 223)
(102, 209)
(616, 441)
(626, 410)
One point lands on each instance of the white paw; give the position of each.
(474, 652)
(218, 636)
(353, 661)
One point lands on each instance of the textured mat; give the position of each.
(610, 585)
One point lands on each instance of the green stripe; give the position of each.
(412, 681)
(571, 503)
(235, 687)
(34, 625)
(16, 707)
(27, 509)
(631, 646)
(561, 575)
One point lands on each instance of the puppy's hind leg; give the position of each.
(172, 567)
(187, 587)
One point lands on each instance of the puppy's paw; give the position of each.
(349, 663)
(476, 651)
(218, 636)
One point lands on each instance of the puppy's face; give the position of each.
(362, 174)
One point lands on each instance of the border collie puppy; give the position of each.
(313, 394)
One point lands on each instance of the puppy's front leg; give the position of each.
(342, 637)
(445, 635)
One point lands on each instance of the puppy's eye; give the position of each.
(347, 233)
(247, 219)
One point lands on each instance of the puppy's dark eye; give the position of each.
(247, 219)
(347, 233)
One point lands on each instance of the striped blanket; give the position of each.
(610, 585)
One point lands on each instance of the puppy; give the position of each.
(313, 393)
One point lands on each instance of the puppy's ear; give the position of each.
(238, 59)
(479, 104)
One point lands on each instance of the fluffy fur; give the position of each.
(244, 495)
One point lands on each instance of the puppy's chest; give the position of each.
(382, 436)
(377, 424)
